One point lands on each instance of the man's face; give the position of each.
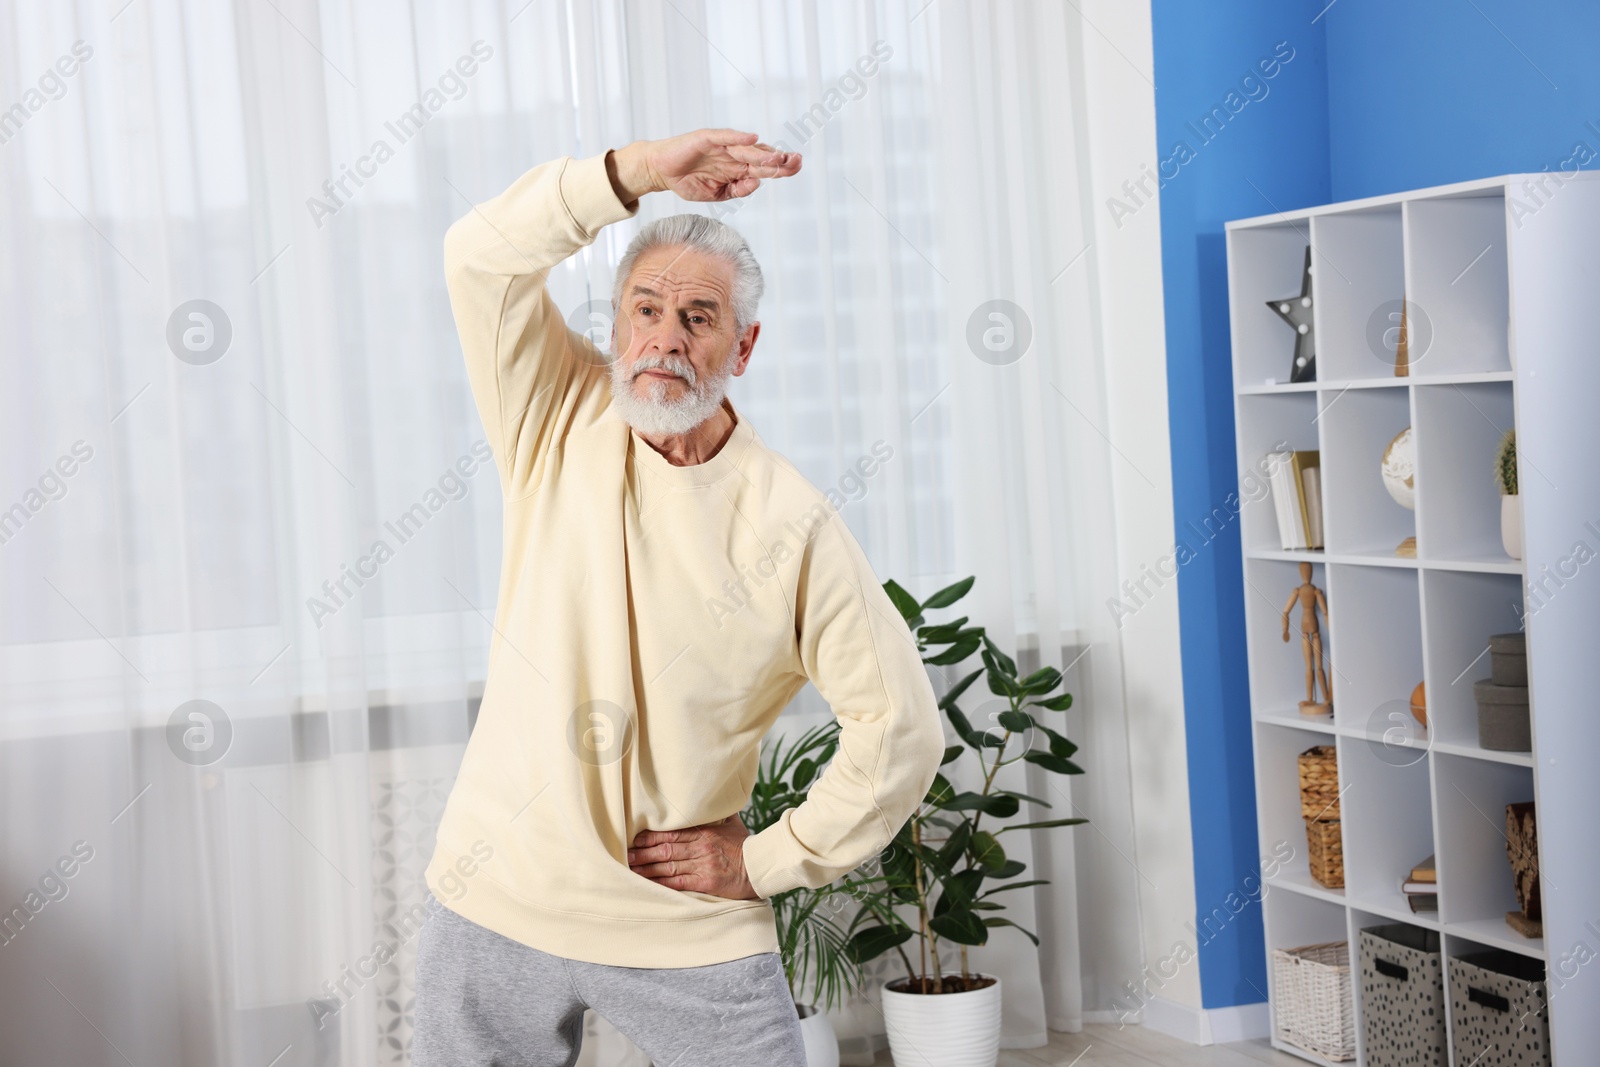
(675, 334)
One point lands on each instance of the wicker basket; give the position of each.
(1319, 783)
(1325, 847)
(1312, 1006)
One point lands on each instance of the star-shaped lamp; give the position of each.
(1296, 311)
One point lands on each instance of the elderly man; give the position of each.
(669, 583)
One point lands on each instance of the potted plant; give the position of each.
(947, 865)
(1505, 474)
(813, 944)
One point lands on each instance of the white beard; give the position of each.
(654, 413)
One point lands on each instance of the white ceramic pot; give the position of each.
(822, 1044)
(1511, 525)
(944, 1029)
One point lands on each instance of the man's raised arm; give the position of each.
(527, 373)
(520, 360)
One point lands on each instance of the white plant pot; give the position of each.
(1511, 525)
(944, 1029)
(822, 1044)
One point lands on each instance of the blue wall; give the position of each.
(1271, 155)
(1434, 91)
(1378, 97)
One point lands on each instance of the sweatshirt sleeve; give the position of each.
(856, 649)
(530, 373)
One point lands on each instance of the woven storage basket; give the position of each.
(1313, 1007)
(1319, 783)
(1325, 849)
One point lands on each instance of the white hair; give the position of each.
(703, 234)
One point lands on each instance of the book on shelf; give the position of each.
(1310, 482)
(1425, 871)
(1413, 886)
(1297, 497)
(1423, 901)
(1277, 463)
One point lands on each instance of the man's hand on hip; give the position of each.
(703, 859)
(706, 165)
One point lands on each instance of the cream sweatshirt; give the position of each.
(653, 620)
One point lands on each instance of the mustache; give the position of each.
(672, 365)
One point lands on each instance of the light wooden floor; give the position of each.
(1134, 1046)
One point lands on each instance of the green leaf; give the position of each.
(940, 793)
(1041, 681)
(1060, 703)
(956, 690)
(1000, 683)
(899, 868)
(1005, 661)
(960, 891)
(962, 927)
(964, 730)
(1059, 746)
(951, 753)
(998, 805)
(987, 851)
(874, 941)
(943, 633)
(997, 921)
(1010, 869)
(904, 602)
(1052, 762)
(957, 843)
(949, 594)
(1014, 885)
(955, 653)
(1042, 824)
(804, 771)
(986, 905)
(1017, 722)
(1023, 796)
(933, 863)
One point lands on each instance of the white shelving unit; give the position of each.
(1503, 281)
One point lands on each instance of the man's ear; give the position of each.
(747, 345)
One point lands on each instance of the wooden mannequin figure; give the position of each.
(1310, 598)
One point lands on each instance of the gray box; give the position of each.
(1402, 997)
(1508, 658)
(1503, 723)
(1498, 1010)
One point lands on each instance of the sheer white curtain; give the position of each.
(248, 542)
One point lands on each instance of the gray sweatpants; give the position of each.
(483, 999)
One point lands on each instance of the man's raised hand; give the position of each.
(706, 165)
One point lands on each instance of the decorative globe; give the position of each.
(1399, 469)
